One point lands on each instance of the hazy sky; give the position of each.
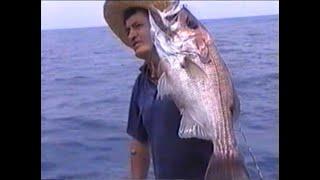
(73, 14)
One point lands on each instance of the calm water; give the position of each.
(86, 81)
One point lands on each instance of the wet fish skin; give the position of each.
(194, 75)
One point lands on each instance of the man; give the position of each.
(153, 123)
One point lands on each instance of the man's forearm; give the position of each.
(139, 159)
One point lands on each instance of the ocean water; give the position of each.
(86, 81)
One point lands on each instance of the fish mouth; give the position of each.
(158, 19)
(166, 18)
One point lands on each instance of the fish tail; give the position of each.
(226, 168)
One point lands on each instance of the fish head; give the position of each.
(174, 30)
(174, 20)
(161, 29)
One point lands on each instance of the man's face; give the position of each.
(138, 32)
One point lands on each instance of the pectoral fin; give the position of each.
(164, 86)
(190, 128)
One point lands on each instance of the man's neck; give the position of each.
(152, 65)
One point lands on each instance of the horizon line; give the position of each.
(234, 17)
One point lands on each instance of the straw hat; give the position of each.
(113, 13)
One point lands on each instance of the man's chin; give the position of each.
(142, 53)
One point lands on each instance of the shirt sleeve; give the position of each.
(135, 127)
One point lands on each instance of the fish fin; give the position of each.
(193, 69)
(163, 86)
(163, 66)
(226, 169)
(190, 128)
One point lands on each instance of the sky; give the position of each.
(77, 14)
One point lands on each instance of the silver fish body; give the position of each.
(194, 75)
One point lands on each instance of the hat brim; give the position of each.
(113, 14)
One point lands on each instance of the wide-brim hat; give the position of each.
(114, 13)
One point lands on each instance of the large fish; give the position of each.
(194, 75)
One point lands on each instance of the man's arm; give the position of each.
(139, 159)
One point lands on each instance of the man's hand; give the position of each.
(140, 159)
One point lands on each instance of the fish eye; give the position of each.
(172, 17)
(191, 23)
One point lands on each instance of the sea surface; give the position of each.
(86, 80)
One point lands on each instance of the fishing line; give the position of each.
(251, 153)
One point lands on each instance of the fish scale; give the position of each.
(196, 78)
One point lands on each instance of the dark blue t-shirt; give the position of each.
(157, 122)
